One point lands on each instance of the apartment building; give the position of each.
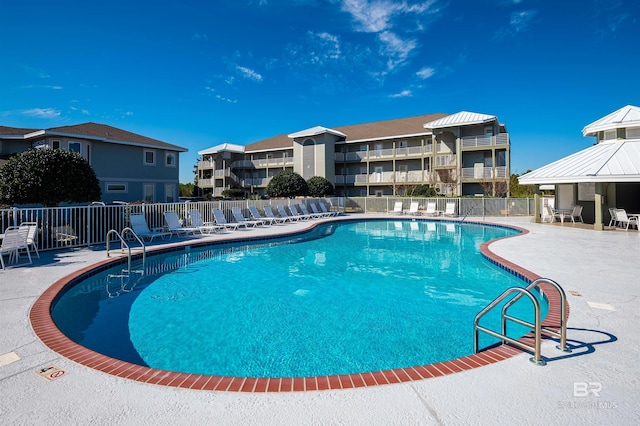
(460, 154)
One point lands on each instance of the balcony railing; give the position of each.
(205, 164)
(484, 172)
(412, 176)
(445, 160)
(476, 141)
(502, 139)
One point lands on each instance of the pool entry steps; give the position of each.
(125, 276)
(537, 327)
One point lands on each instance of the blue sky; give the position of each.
(197, 74)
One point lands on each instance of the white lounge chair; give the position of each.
(175, 227)
(324, 209)
(614, 219)
(576, 214)
(282, 211)
(15, 240)
(141, 229)
(315, 210)
(236, 212)
(255, 215)
(397, 208)
(431, 209)
(204, 227)
(278, 220)
(414, 209)
(450, 209)
(221, 220)
(305, 212)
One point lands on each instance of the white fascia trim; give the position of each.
(383, 138)
(96, 138)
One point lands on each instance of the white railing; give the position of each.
(484, 172)
(205, 164)
(380, 153)
(356, 156)
(206, 183)
(475, 141)
(241, 164)
(407, 151)
(445, 160)
(502, 139)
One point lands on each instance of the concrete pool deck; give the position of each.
(595, 384)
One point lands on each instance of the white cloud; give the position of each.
(200, 37)
(426, 73)
(403, 94)
(520, 20)
(220, 97)
(376, 16)
(42, 113)
(396, 49)
(249, 73)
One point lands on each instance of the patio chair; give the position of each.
(624, 220)
(431, 209)
(614, 219)
(324, 209)
(222, 221)
(414, 209)
(315, 210)
(450, 209)
(547, 214)
(305, 212)
(141, 228)
(32, 235)
(204, 227)
(397, 208)
(576, 214)
(14, 240)
(283, 213)
(255, 215)
(239, 218)
(175, 227)
(278, 220)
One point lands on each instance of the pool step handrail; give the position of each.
(562, 333)
(123, 244)
(537, 328)
(467, 213)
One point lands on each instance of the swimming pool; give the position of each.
(367, 316)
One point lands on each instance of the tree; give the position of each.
(186, 189)
(320, 186)
(287, 184)
(48, 177)
(233, 193)
(421, 191)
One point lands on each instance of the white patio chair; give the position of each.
(236, 212)
(624, 220)
(15, 240)
(397, 208)
(278, 220)
(614, 219)
(218, 215)
(431, 209)
(255, 215)
(32, 235)
(141, 228)
(450, 209)
(175, 227)
(204, 227)
(282, 211)
(414, 209)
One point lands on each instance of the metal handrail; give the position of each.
(562, 335)
(536, 326)
(144, 248)
(124, 244)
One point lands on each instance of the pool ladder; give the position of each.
(537, 327)
(123, 244)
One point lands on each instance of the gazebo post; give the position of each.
(536, 204)
(599, 202)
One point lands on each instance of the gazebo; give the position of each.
(605, 175)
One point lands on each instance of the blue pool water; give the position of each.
(344, 298)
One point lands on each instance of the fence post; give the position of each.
(88, 215)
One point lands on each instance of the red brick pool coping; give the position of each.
(51, 336)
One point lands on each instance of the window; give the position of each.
(119, 187)
(363, 147)
(170, 159)
(403, 144)
(55, 144)
(149, 157)
(609, 135)
(75, 147)
(149, 193)
(170, 193)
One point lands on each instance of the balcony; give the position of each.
(206, 183)
(202, 164)
(483, 141)
(448, 160)
(409, 177)
(484, 172)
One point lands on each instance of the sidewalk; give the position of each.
(595, 384)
